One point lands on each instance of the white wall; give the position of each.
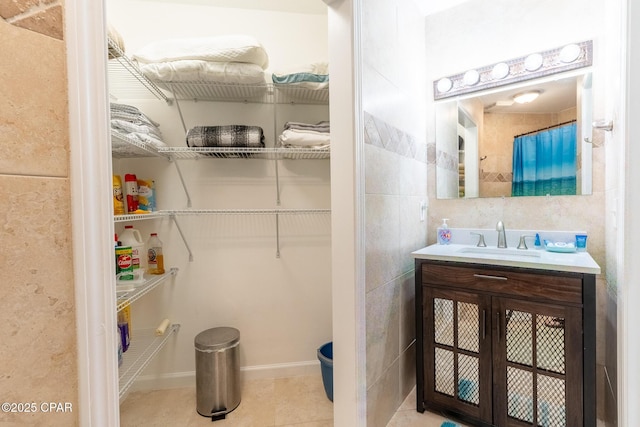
(289, 38)
(502, 30)
(477, 33)
(282, 307)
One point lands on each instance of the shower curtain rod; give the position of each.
(548, 127)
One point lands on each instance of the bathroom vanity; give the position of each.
(506, 337)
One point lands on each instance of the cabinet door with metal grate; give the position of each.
(457, 352)
(538, 371)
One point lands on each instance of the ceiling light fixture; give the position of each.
(526, 97)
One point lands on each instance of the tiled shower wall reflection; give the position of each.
(38, 336)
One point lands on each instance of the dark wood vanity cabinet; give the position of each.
(505, 346)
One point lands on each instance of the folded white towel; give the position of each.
(135, 136)
(129, 127)
(304, 138)
(198, 70)
(229, 48)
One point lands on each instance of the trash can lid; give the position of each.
(217, 338)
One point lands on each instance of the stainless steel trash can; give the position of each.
(217, 372)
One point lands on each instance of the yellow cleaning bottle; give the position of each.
(118, 198)
(155, 258)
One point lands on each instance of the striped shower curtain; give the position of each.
(544, 163)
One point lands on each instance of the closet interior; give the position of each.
(225, 110)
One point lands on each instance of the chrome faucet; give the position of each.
(502, 237)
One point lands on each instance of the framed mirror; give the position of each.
(477, 133)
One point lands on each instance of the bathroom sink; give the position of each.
(579, 262)
(493, 252)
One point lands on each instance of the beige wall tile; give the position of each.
(413, 232)
(544, 213)
(39, 336)
(39, 332)
(408, 371)
(12, 8)
(48, 22)
(33, 112)
(383, 397)
(382, 236)
(407, 311)
(383, 329)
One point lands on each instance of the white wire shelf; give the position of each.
(173, 214)
(249, 211)
(125, 78)
(297, 95)
(262, 93)
(168, 213)
(144, 347)
(194, 153)
(139, 217)
(151, 282)
(276, 213)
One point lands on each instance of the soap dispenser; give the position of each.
(444, 234)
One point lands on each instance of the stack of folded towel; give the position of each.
(129, 121)
(312, 76)
(237, 59)
(305, 135)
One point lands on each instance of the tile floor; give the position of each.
(296, 401)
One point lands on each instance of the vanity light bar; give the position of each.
(558, 60)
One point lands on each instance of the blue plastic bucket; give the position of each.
(325, 356)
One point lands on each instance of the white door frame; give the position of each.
(98, 391)
(90, 160)
(629, 225)
(92, 214)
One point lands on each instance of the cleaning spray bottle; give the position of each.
(132, 237)
(155, 258)
(444, 234)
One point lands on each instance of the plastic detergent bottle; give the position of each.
(119, 347)
(132, 237)
(118, 197)
(444, 234)
(124, 266)
(131, 188)
(155, 259)
(146, 195)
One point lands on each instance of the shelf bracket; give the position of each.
(277, 234)
(275, 144)
(173, 92)
(277, 182)
(175, 221)
(184, 184)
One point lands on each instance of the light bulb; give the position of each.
(526, 97)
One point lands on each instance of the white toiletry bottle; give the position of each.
(444, 234)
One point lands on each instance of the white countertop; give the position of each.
(577, 262)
